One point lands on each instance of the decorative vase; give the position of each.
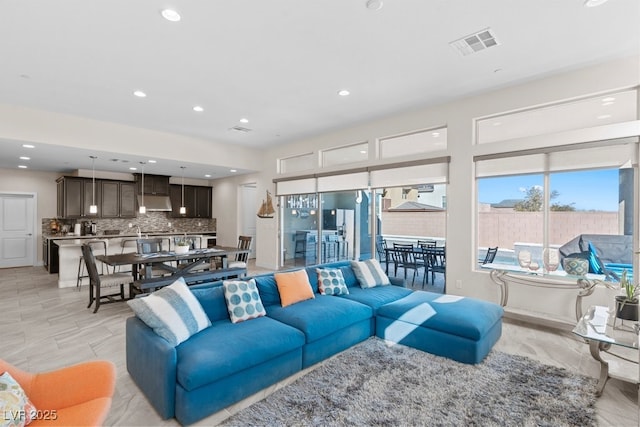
(524, 259)
(576, 266)
(626, 310)
(182, 249)
(550, 259)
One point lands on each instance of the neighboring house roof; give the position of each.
(506, 203)
(415, 206)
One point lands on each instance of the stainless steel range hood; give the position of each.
(155, 203)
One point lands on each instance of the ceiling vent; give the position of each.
(240, 129)
(483, 39)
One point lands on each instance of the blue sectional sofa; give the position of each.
(228, 362)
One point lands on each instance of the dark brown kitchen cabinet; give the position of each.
(115, 199)
(70, 197)
(197, 201)
(110, 206)
(203, 202)
(88, 198)
(127, 200)
(118, 199)
(155, 184)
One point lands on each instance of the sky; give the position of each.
(587, 190)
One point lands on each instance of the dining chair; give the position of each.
(437, 262)
(150, 245)
(240, 260)
(404, 257)
(97, 282)
(381, 250)
(97, 244)
(427, 243)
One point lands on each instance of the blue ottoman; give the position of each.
(462, 329)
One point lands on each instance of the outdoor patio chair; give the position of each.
(490, 255)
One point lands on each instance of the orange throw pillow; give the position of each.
(293, 287)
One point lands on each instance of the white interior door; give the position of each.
(248, 197)
(17, 240)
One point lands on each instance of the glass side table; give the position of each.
(597, 329)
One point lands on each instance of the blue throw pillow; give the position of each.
(268, 290)
(331, 282)
(594, 262)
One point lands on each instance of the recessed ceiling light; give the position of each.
(151, 161)
(594, 3)
(233, 170)
(374, 4)
(363, 151)
(22, 166)
(170, 15)
(28, 146)
(244, 120)
(133, 169)
(604, 116)
(198, 109)
(25, 158)
(435, 134)
(139, 94)
(207, 176)
(344, 92)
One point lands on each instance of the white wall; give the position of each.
(458, 116)
(23, 124)
(41, 183)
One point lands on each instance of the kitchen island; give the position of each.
(69, 250)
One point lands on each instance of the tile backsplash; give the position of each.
(151, 221)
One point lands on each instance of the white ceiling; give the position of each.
(280, 63)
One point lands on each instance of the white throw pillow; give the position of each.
(15, 407)
(369, 273)
(173, 312)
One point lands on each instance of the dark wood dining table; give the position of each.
(183, 264)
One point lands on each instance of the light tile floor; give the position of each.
(43, 327)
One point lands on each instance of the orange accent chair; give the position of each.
(78, 395)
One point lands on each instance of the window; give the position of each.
(575, 195)
(348, 154)
(595, 111)
(419, 142)
(297, 163)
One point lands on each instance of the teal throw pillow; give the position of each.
(594, 262)
(243, 300)
(331, 282)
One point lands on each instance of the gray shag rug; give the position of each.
(374, 384)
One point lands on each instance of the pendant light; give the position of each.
(93, 209)
(142, 209)
(183, 209)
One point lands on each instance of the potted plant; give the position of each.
(627, 303)
(183, 244)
